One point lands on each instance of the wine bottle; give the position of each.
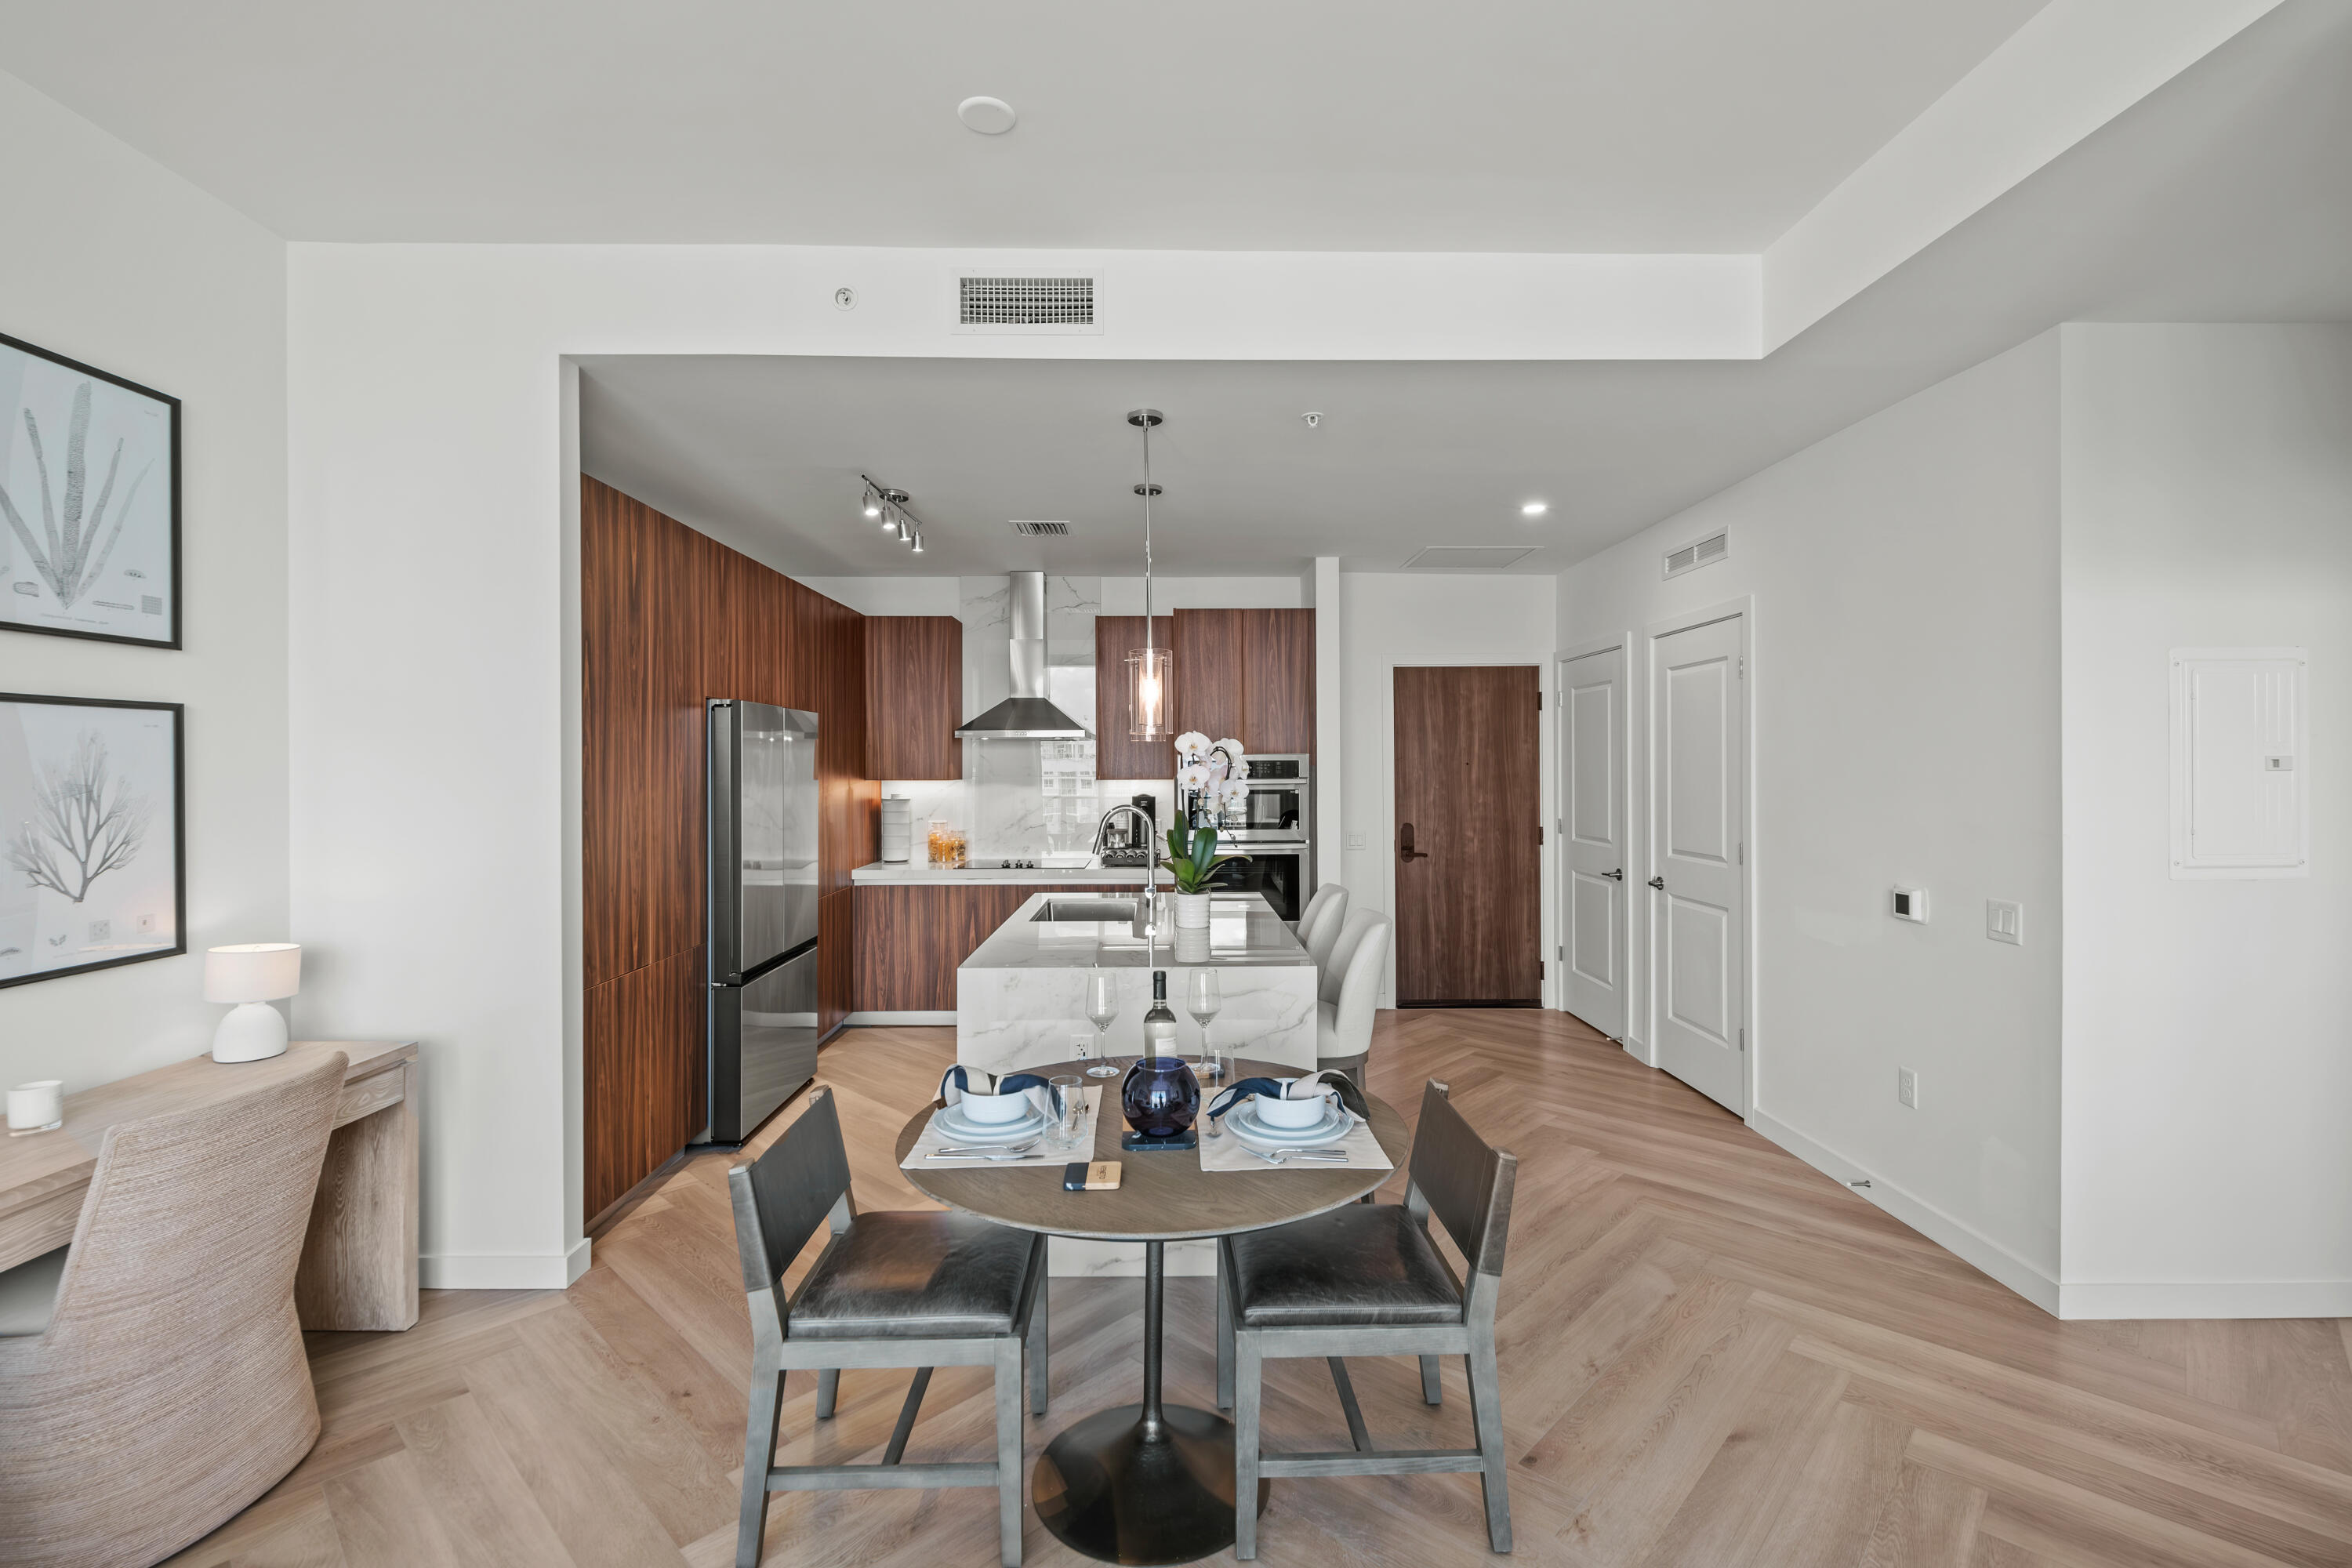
(1160, 1024)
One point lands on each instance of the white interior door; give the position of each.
(1698, 937)
(1593, 770)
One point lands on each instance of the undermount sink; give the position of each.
(1099, 911)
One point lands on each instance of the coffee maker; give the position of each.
(1130, 840)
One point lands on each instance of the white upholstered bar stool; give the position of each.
(1319, 923)
(1352, 985)
(163, 1386)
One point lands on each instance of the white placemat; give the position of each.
(934, 1136)
(1221, 1151)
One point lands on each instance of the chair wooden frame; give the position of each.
(779, 1199)
(1475, 1210)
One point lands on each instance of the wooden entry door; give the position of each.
(1468, 836)
(1699, 907)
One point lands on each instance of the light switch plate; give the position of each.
(1355, 841)
(2004, 921)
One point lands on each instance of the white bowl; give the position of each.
(995, 1109)
(1292, 1113)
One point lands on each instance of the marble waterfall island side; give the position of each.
(1021, 1002)
(1021, 997)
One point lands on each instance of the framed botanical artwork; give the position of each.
(93, 861)
(89, 502)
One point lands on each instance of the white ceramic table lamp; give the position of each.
(252, 975)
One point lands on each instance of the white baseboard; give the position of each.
(899, 1020)
(2251, 1298)
(503, 1270)
(1955, 1237)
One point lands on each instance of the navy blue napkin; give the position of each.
(1350, 1096)
(955, 1078)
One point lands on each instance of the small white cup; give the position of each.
(36, 1107)
(1296, 1114)
(996, 1109)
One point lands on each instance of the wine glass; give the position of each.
(1203, 997)
(1102, 1008)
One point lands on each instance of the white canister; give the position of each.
(897, 827)
(36, 1107)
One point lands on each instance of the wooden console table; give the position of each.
(359, 1261)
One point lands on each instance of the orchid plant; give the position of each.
(1193, 857)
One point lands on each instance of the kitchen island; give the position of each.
(1021, 997)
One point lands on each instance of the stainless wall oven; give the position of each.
(1276, 834)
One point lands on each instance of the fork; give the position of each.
(1335, 1158)
(988, 1152)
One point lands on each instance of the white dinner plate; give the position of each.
(953, 1123)
(1246, 1127)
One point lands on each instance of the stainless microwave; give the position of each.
(1281, 802)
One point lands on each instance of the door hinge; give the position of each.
(1538, 701)
(1539, 969)
(1540, 833)
(1559, 951)
(1743, 852)
(1743, 1039)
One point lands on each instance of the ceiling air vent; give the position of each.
(1691, 557)
(1028, 529)
(1469, 557)
(1025, 305)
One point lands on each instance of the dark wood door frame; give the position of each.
(1467, 771)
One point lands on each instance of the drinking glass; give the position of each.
(1102, 1008)
(1072, 1124)
(1203, 997)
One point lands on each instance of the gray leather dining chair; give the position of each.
(1367, 1279)
(890, 1290)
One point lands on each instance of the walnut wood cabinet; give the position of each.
(914, 697)
(1247, 674)
(910, 938)
(1118, 755)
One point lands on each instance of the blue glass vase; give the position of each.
(1160, 1097)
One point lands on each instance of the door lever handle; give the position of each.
(1616, 876)
(1659, 883)
(1405, 850)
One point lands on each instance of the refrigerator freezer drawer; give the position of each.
(763, 1038)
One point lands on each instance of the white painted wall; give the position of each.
(112, 260)
(1391, 618)
(2207, 502)
(1904, 713)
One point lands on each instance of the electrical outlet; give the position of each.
(146, 925)
(2004, 921)
(1907, 1086)
(1355, 841)
(100, 930)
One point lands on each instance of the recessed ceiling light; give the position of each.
(989, 116)
(1534, 508)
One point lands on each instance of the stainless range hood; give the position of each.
(1025, 715)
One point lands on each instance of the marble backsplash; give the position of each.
(1026, 799)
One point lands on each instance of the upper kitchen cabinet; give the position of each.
(1210, 668)
(1278, 683)
(1118, 755)
(1247, 674)
(914, 697)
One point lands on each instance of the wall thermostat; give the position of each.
(1909, 904)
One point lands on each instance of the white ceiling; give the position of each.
(2223, 197)
(1570, 125)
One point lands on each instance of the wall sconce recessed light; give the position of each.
(1534, 509)
(989, 116)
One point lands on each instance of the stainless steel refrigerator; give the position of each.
(761, 928)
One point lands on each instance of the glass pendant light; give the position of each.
(1148, 668)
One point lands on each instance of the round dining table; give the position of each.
(1152, 1482)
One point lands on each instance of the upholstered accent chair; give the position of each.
(1352, 985)
(1319, 923)
(152, 1375)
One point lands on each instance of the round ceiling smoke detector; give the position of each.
(989, 116)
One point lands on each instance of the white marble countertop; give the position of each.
(1243, 931)
(915, 874)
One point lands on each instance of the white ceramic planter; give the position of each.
(1192, 912)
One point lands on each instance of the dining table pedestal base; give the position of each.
(1143, 1483)
(1106, 1489)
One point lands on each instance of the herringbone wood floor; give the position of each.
(1712, 1355)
